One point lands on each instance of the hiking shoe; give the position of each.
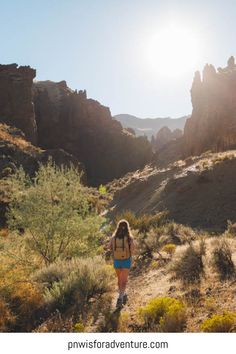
(119, 302)
(125, 298)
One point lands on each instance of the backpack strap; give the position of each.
(129, 243)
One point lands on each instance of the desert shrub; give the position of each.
(123, 322)
(102, 189)
(174, 233)
(163, 314)
(55, 212)
(22, 296)
(6, 316)
(219, 323)
(75, 282)
(169, 248)
(222, 260)
(189, 266)
(145, 244)
(56, 323)
(147, 221)
(154, 264)
(231, 229)
(79, 327)
(144, 222)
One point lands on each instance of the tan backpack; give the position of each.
(121, 248)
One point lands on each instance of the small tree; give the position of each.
(54, 212)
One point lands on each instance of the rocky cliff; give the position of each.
(83, 127)
(53, 116)
(212, 125)
(16, 106)
(164, 136)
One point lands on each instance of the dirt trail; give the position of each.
(141, 288)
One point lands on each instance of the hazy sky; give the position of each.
(112, 48)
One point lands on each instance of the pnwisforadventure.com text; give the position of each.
(114, 344)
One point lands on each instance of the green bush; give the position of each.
(189, 267)
(163, 314)
(222, 260)
(219, 323)
(75, 282)
(54, 211)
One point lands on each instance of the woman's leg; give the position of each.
(123, 279)
(118, 273)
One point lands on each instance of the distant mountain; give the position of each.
(150, 126)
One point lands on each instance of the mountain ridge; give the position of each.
(150, 126)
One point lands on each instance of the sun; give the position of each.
(173, 51)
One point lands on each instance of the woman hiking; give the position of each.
(122, 247)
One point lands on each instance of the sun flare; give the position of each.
(174, 51)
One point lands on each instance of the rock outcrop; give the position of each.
(53, 116)
(164, 136)
(83, 127)
(16, 106)
(212, 125)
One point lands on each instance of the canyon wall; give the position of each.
(212, 125)
(67, 119)
(16, 106)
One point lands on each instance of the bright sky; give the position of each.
(135, 56)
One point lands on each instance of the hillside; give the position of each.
(150, 126)
(198, 191)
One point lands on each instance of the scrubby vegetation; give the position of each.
(48, 256)
(188, 267)
(54, 212)
(56, 276)
(222, 260)
(220, 323)
(163, 314)
(75, 282)
(144, 222)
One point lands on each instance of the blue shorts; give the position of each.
(123, 263)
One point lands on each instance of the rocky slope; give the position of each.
(199, 191)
